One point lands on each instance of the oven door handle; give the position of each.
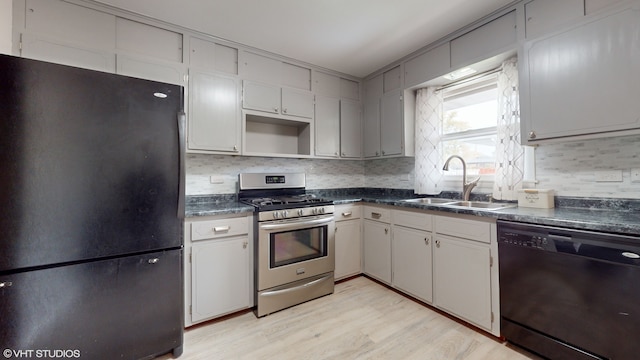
(297, 224)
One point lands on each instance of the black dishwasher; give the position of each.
(569, 294)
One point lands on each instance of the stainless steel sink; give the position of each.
(484, 205)
(434, 201)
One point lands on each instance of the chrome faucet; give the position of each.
(466, 186)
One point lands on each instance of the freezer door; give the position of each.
(89, 164)
(125, 308)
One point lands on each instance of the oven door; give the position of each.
(294, 249)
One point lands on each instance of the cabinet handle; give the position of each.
(5, 284)
(275, 109)
(437, 243)
(245, 244)
(377, 153)
(221, 228)
(284, 111)
(343, 154)
(235, 147)
(532, 135)
(426, 241)
(153, 261)
(345, 214)
(386, 230)
(376, 215)
(383, 152)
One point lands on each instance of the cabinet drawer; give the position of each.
(347, 212)
(463, 228)
(412, 219)
(219, 228)
(377, 214)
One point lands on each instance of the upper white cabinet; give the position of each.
(151, 41)
(210, 56)
(276, 100)
(327, 126)
(214, 112)
(371, 121)
(350, 129)
(272, 71)
(68, 34)
(387, 132)
(490, 39)
(583, 80)
(542, 16)
(71, 23)
(427, 66)
(338, 128)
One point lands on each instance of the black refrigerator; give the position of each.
(91, 178)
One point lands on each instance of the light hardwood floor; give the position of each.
(361, 320)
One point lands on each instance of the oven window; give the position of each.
(294, 246)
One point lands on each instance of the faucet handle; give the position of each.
(474, 182)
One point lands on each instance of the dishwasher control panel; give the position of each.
(526, 239)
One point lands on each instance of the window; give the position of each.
(470, 113)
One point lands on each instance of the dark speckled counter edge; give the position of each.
(621, 216)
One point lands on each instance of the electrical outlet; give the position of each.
(608, 176)
(216, 179)
(635, 175)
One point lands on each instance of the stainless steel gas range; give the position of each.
(294, 258)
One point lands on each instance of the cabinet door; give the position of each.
(492, 38)
(157, 43)
(77, 25)
(371, 122)
(214, 116)
(595, 93)
(150, 69)
(377, 250)
(428, 66)
(462, 282)
(260, 96)
(391, 123)
(348, 248)
(350, 129)
(546, 16)
(220, 277)
(61, 52)
(261, 68)
(210, 56)
(297, 103)
(327, 126)
(296, 76)
(412, 263)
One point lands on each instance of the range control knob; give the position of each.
(321, 210)
(285, 214)
(300, 212)
(276, 215)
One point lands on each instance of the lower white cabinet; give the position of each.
(412, 265)
(348, 241)
(465, 270)
(377, 243)
(218, 267)
(462, 279)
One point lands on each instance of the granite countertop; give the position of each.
(608, 215)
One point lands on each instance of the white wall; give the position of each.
(5, 26)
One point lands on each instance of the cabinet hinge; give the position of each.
(490, 261)
(190, 255)
(492, 317)
(191, 312)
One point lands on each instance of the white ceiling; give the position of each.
(355, 37)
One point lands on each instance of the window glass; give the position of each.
(469, 127)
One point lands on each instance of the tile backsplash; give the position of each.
(569, 168)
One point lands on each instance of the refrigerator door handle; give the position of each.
(182, 120)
